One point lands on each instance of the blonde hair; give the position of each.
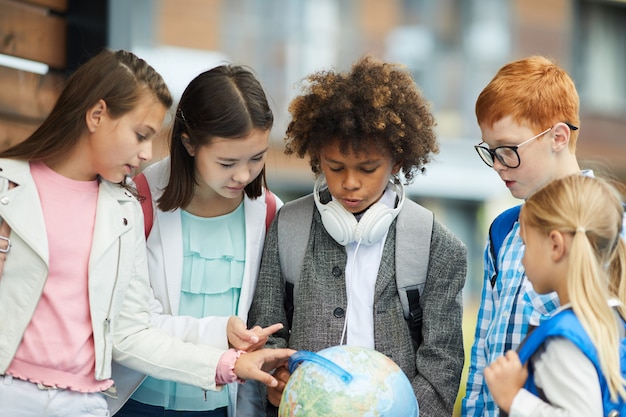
(592, 210)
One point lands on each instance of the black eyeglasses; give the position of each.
(507, 155)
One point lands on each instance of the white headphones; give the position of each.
(342, 226)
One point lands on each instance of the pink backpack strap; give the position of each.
(270, 201)
(146, 201)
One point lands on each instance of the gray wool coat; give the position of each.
(434, 369)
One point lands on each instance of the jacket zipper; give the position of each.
(107, 320)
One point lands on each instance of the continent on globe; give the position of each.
(346, 381)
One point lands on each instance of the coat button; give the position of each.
(4, 201)
(125, 221)
(339, 312)
(336, 272)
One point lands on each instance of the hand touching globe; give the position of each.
(346, 381)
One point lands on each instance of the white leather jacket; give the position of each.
(119, 290)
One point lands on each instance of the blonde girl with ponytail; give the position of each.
(572, 231)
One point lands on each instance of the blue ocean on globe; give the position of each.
(347, 381)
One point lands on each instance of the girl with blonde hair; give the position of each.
(571, 230)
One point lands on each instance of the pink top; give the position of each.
(58, 348)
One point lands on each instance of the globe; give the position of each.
(346, 381)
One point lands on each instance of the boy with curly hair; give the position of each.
(362, 131)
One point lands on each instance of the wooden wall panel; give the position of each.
(31, 32)
(27, 95)
(35, 30)
(56, 5)
(13, 131)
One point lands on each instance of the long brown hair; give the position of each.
(119, 78)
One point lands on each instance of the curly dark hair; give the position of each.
(377, 104)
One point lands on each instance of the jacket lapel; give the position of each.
(167, 229)
(387, 268)
(18, 207)
(255, 224)
(170, 228)
(111, 218)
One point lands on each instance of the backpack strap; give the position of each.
(413, 235)
(499, 229)
(270, 202)
(146, 201)
(294, 228)
(563, 324)
(566, 324)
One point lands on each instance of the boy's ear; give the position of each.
(396, 168)
(95, 114)
(561, 135)
(187, 144)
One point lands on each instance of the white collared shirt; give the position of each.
(361, 273)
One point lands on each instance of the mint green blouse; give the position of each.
(214, 258)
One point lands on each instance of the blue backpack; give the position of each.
(566, 324)
(499, 229)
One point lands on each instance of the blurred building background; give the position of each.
(452, 47)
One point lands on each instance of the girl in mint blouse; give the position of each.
(204, 247)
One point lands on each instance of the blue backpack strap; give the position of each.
(499, 229)
(566, 324)
(563, 324)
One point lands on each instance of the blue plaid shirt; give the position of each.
(506, 309)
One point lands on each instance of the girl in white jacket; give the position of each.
(211, 210)
(74, 289)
